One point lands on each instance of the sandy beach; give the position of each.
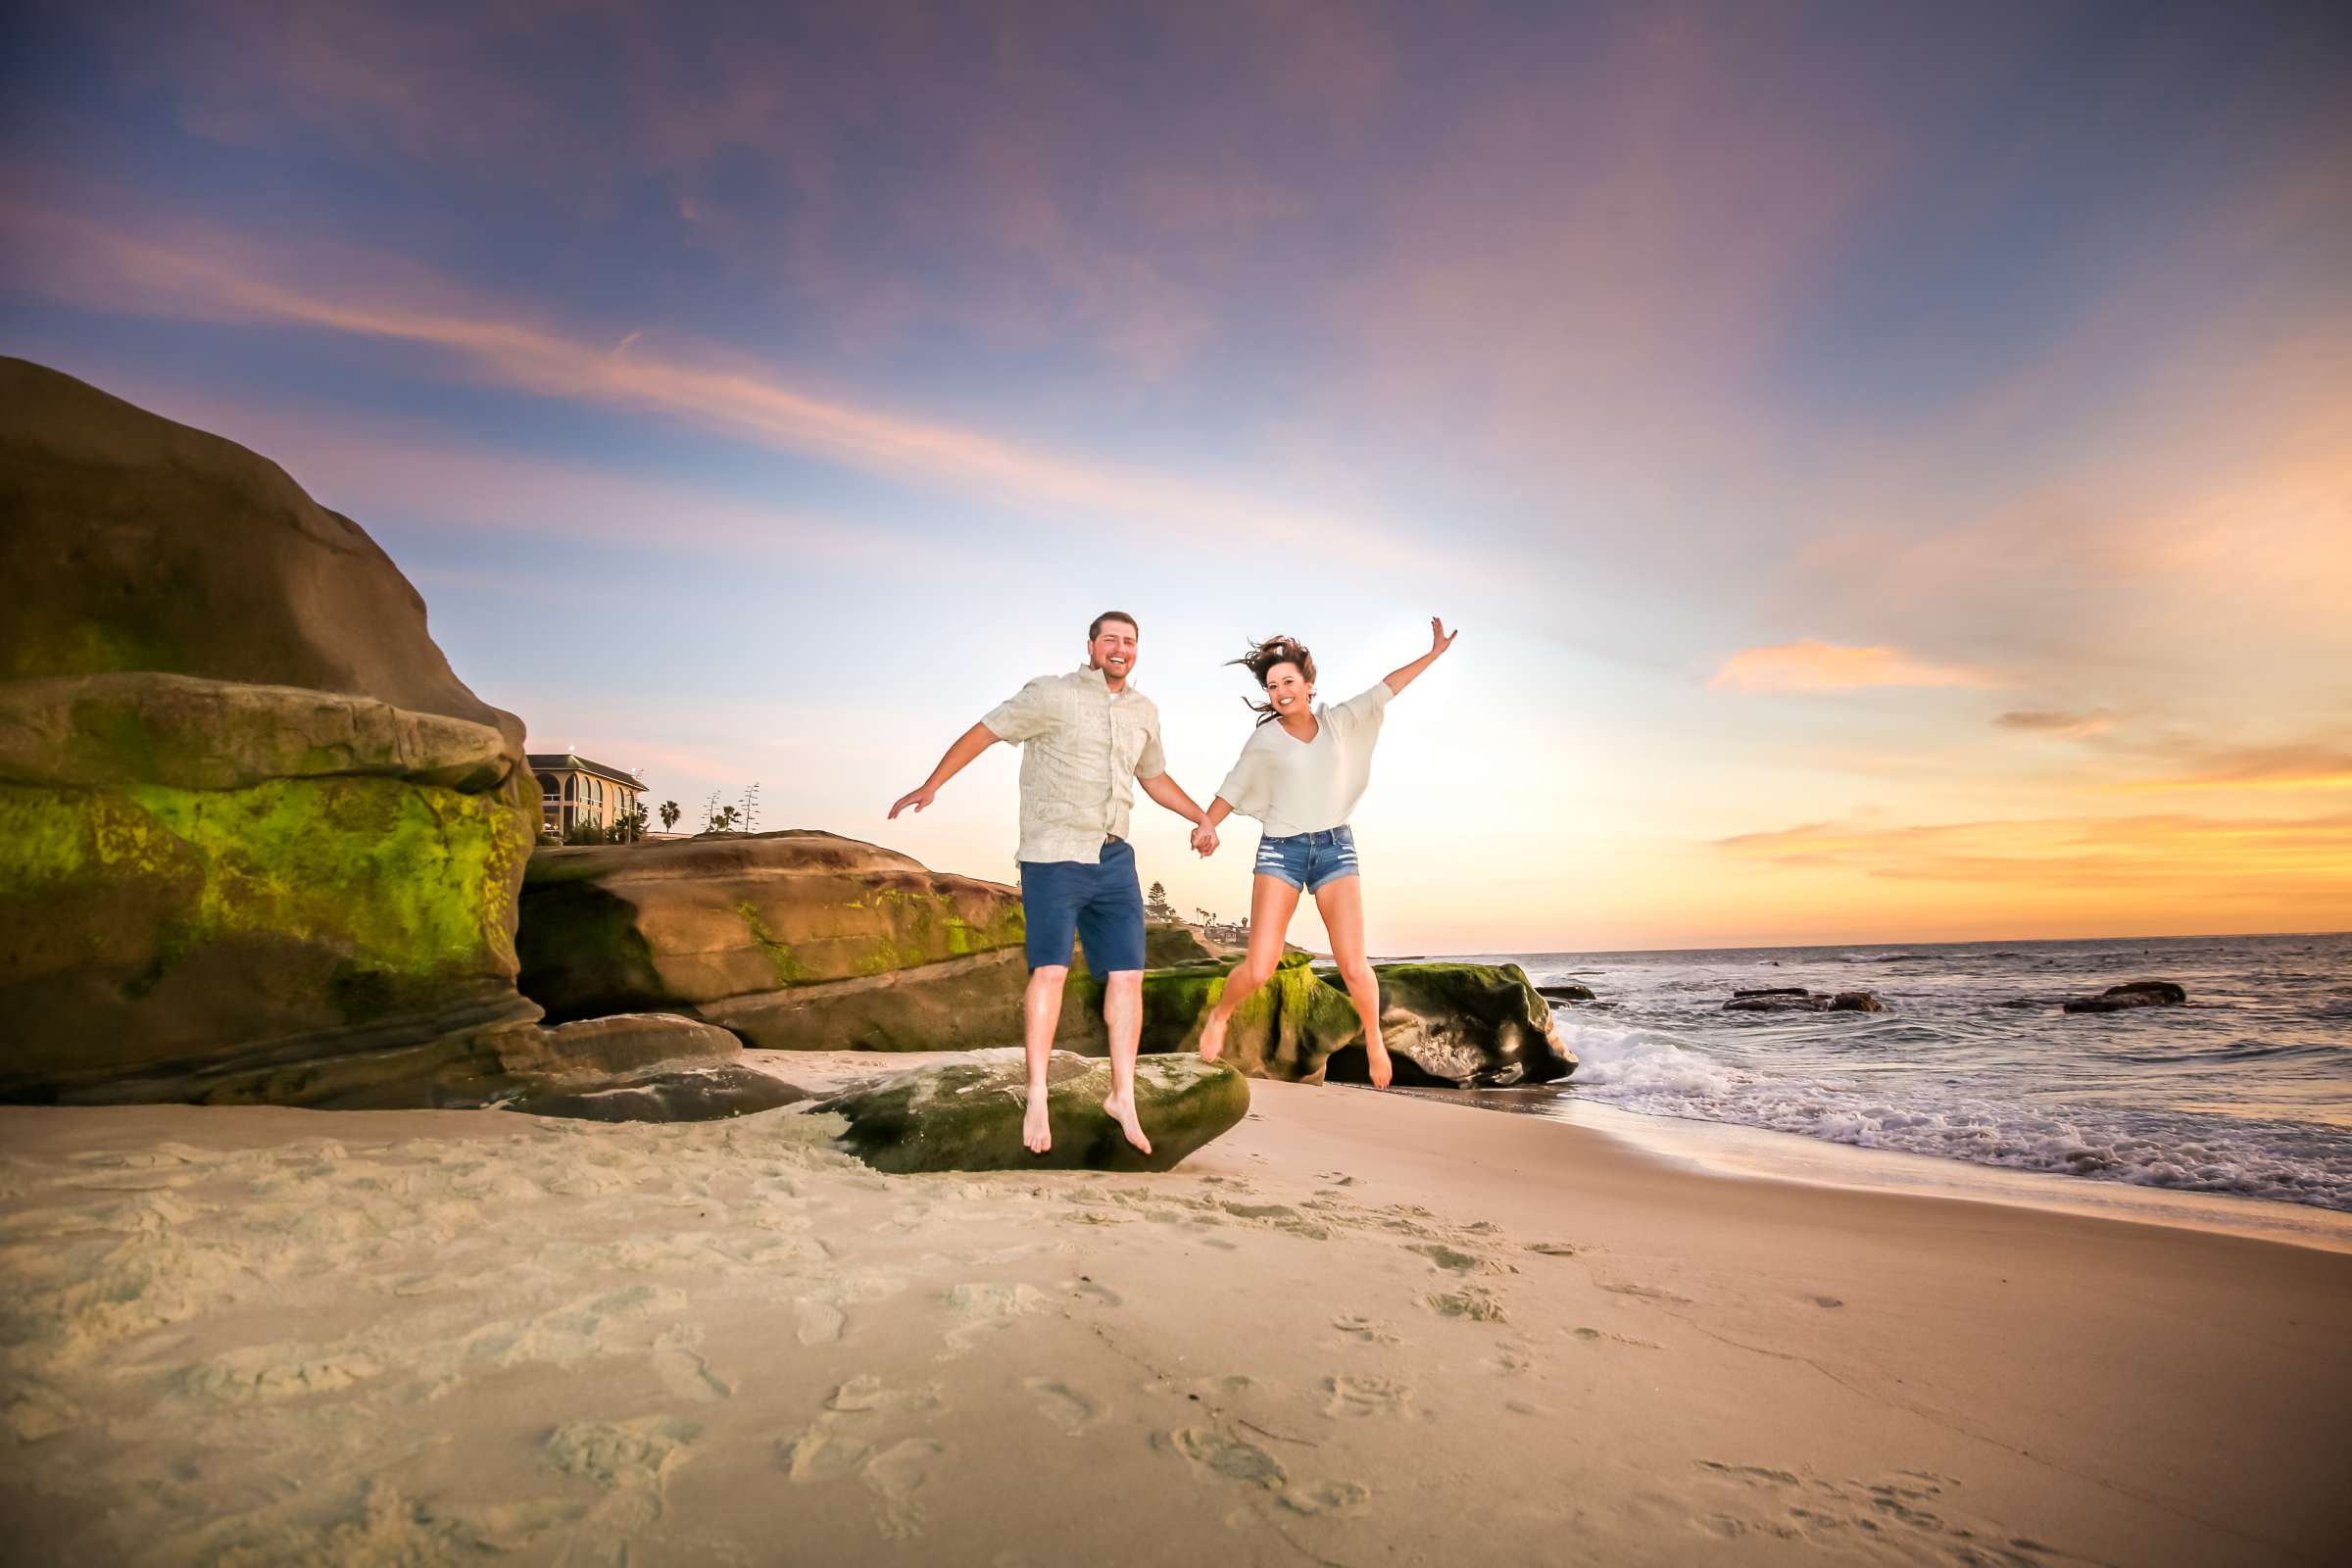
(1359, 1329)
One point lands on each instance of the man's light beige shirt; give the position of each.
(1083, 746)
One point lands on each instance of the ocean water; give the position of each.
(2247, 1091)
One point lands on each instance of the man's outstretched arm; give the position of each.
(968, 745)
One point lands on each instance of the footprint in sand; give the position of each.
(1093, 1291)
(1229, 1458)
(866, 1393)
(895, 1475)
(1881, 1512)
(1062, 1404)
(1472, 1302)
(1648, 1293)
(817, 1322)
(987, 1309)
(831, 1446)
(678, 1362)
(1551, 1249)
(1458, 1263)
(1365, 1395)
(1327, 1498)
(1370, 1330)
(631, 1459)
(265, 1373)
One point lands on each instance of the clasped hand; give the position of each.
(1204, 840)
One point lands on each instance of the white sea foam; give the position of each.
(1651, 1072)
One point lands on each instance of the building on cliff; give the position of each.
(573, 791)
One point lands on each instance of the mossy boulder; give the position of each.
(259, 837)
(966, 1115)
(794, 940)
(1461, 1026)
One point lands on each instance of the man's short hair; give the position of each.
(1095, 629)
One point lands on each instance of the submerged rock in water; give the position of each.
(1796, 998)
(966, 1115)
(1565, 991)
(1447, 1025)
(2132, 994)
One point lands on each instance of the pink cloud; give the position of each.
(1811, 665)
(191, 270)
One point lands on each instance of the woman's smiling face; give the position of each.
(1287, 689)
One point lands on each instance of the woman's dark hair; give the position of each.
(1260, 660)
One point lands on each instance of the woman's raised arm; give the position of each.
(1439, 638)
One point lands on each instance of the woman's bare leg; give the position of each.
(1342, 905)
(1272, 902)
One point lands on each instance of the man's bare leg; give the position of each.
(1041, 1015)
(1272, 902)
(1342, 904)
(1124, 1015)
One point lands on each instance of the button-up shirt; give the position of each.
(1083, 746)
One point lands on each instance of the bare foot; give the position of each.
(1122, 1111)
(1212, 1037)
(1382, 1072)
(1037, 1128)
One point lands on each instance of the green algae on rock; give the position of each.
(966, 1115)
(1444, 1024)
(264, 846)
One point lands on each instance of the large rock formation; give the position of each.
(1458, 1025)
(793, 941)
(252, 819)
(966, 1115)
(262, 844)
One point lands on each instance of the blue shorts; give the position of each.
(1309, 860)
(1101, 904)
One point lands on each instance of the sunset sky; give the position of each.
(1890, 465)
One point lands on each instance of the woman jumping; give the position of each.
(1300, 774)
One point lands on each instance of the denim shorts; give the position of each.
(1102, 904)
(1309, 860)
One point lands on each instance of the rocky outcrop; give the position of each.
(633, 1067)
(1459, 1026)
(1167, 946)
(1565, 991)
(1796, 998)
(966, 1115)
(792, 941)
(259, 833)
(2132, 994)
(263, 845)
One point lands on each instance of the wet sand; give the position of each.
(1361, 1329)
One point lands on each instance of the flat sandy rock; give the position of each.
(966, 1115)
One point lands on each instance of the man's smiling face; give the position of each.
(1113, 651)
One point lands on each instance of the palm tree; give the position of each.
(670, 815)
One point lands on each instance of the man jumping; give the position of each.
(1088, 738)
